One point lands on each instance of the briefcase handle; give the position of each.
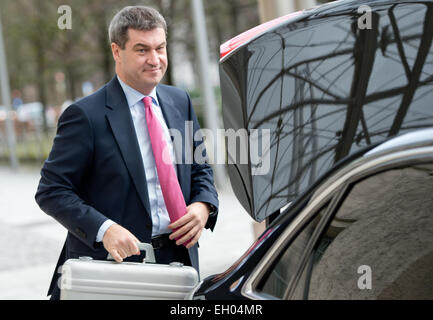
(150, 254)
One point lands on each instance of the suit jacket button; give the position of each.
(148, 226)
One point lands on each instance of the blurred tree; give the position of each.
(228, 18)
(33, 26)
(16, 58)
(170, 11)
(100, 15)
(71, 48)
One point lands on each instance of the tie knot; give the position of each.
(147, 102)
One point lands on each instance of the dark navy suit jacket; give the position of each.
(95, 171)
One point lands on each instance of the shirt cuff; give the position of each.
(104, 227)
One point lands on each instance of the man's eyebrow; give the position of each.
(147, 46)
(140, 45)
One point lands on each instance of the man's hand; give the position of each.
(191, 225)
(120, 243)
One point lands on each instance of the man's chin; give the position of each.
(152, 77)
(147, 86)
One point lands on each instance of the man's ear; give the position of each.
(115, 49)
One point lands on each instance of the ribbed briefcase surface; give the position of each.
(88, 279)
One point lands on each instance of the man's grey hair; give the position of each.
(134, 17)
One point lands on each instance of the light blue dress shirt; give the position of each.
(160, 217)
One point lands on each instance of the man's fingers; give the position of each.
(194, 240)
(116, 256)
(122, 253)
(136, 248)
(189, 235)
(180, 222)
(133, 248)
(181, 231)
(120, 239)
(138, 252)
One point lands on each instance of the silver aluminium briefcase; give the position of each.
(88, 279)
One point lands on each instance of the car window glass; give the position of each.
(281, 273)
(379, 245)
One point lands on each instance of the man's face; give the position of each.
(143, 62)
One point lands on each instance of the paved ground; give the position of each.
(31, 241)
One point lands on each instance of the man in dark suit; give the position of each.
(100, 180)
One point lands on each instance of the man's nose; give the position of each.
(153, 58)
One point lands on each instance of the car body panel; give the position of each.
(241, 280)
(402, 154)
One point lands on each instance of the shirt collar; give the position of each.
(134, 96)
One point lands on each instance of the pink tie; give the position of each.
(171, 191)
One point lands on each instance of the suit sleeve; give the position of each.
(202, 182)
(59, 193)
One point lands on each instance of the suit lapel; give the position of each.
(120, 120)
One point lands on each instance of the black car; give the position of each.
(345, 91)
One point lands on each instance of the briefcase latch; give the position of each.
(85, 258)
(176, 264)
